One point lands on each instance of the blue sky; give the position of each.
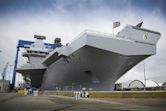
(21, 19)
(79, 7)
(9, 6)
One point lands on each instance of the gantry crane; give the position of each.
(3, 74)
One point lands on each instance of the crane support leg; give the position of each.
(14, 70)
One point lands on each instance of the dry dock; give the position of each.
(16, 102)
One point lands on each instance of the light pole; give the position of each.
(72, 86)
(144, 78)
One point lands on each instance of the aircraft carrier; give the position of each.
(93, 60)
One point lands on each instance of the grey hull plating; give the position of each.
(94, 60)
(88, 67)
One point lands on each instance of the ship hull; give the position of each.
(93, 61)
(89, 68)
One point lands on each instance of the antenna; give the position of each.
(140, 24)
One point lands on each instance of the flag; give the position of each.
(116, 24)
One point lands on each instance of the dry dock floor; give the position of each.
(16, 102)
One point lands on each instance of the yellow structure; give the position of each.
(129, 94)
(22, 91)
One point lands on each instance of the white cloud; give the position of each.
(25, 25)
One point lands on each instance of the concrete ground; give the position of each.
(16, 102)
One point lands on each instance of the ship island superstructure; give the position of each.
(92, 60)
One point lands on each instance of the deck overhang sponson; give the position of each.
(110, 43)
